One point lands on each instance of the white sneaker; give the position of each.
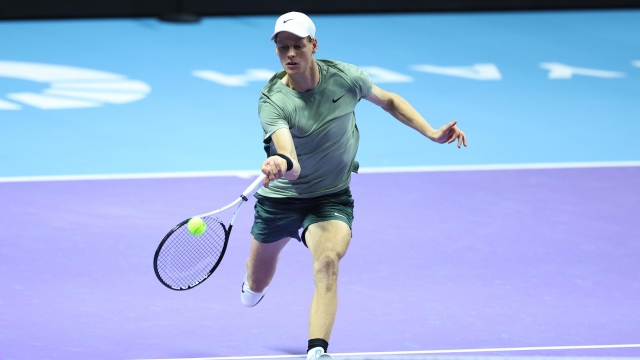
(250, 298)
(318, 354)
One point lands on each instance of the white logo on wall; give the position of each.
(378, 75)
(478, 72)
(69, 87)
(562, 71)
(474, 72)
(234, 80)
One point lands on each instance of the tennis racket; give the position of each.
(183, 260)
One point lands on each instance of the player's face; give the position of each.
(295, 53)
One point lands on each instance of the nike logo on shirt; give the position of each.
(336, 100)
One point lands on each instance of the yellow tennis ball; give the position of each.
(196, 226)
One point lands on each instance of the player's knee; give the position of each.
(326, 269)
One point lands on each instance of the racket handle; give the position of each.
(253, 185)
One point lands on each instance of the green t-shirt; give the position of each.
(323, 126)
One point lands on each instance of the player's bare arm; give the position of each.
(275, 167)
(400, 109)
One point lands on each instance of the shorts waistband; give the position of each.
(344, 192)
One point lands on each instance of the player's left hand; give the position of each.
(449, 133)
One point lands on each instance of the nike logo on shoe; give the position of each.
(336, 100)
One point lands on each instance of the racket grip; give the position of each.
(253, 185)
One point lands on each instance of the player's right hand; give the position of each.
(273, 168)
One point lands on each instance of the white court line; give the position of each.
(163, 175)
(423, 352)
(370, 170)
(484, 167)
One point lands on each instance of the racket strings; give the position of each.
(185, 259)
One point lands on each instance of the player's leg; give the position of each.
(327, 234)
(275, 223)
(262, 263)
(261, 266)
(328, 242)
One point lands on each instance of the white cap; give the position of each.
(296, 23)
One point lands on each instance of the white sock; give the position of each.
(248, 297)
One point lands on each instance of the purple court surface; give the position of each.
(460, 265)
(438, 261)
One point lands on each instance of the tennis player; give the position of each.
(311, 138)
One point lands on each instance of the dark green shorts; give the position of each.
(278, 218)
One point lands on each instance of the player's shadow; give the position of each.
(287, 350)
